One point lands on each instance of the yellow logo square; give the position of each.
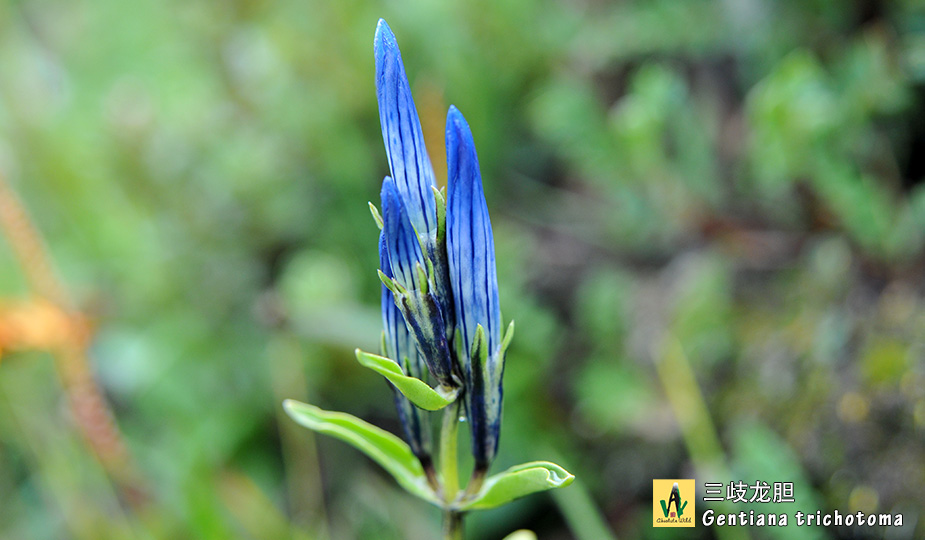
(673, 503)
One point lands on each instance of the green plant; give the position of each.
(441, 318)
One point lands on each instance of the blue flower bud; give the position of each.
(474, 282)
(398, 345)
(407, 275)
(401, 131)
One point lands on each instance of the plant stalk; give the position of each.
(449, 469)
(452, 525)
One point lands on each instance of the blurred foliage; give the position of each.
(741, 179)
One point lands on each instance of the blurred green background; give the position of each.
(709, 219)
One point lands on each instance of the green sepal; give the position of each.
(377, 217)
(430, 267)
(391, 284)
(508, 336)
(517, 482)
(421, 276)
(390, 452)
(416, 390)
(440, 200)
(491, 373)
(479, 348)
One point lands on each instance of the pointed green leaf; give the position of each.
(413, 388)
(517, 482)
(377, 217)
(508, 336)
(440, 201)
(392, 453)
(439, 198)
(389, 283)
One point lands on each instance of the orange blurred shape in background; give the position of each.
(40, 325)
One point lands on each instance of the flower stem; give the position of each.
(475, 483)
(449, 468)
(448, 446)
(452, 525)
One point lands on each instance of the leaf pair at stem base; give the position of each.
(396, 457)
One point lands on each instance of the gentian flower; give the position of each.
(438, 256)
(474, 282)
(414, 217)
(440, 314)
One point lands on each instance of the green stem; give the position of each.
(449, 468)
(452, 525)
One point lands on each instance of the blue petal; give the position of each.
(470, 246)
(392, 320)
(401, 242)
(401, 132)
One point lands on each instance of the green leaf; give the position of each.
(413, 388)
(392, 453)
(517, 482)
(522, 534)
